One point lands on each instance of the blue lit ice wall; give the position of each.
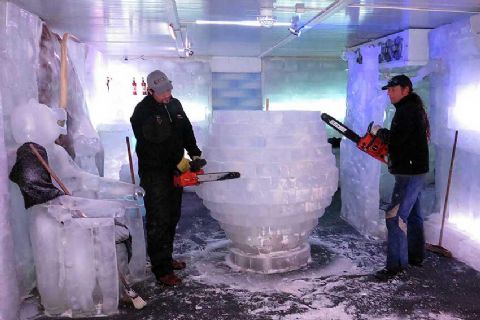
(306, 84)
(454, 97)
(360, 173)
(236, 91)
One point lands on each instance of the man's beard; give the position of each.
(166, 100)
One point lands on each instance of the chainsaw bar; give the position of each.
(340, 127)
(369, 143)
(218, 176)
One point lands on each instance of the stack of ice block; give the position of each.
(75, 258)
(288, 177)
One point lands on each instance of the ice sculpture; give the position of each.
(288, 178)
(37, 123)
(34, 122)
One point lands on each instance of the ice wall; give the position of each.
(360, 173)
(306, 84)
(191, 81)
(19, 37)
(455, 93)
(82, 141)
(288, 177)
(9, 293)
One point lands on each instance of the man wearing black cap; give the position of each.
(163, 132)
(407, 142)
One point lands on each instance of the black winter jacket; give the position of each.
(162, 133)
(408, 137)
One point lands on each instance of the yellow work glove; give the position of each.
(183, 165)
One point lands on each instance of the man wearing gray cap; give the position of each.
(163, 132)
(408, 159)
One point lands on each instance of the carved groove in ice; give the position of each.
(288, 178)
(75, 258)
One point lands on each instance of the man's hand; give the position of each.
(138, 193)
(374, 129)
(197, 163)
(183, 165)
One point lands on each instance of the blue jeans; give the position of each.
(406, 238)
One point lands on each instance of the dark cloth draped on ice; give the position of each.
(33, 179)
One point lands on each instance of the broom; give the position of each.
(438, 249)
(137, 301)
(130, 161)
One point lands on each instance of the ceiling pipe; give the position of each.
(385, 7)
(174, 20)
(367, 6)
(321, 16)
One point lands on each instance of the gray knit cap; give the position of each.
(159, 82)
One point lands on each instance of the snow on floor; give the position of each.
(337, 284)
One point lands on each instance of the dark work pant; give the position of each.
(162, 205)
(406, 239)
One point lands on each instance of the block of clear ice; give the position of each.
(75, 259)
(288, 178)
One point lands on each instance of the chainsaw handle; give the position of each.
(187, 179)
(369, 127)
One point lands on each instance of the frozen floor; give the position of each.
(336, 285)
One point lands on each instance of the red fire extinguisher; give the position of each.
(144, 87)
(134, 84)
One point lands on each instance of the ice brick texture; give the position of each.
(75, 258)
(19, 36)
(288, 177)
(454, 96)
(360, 173)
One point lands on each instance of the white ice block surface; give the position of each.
(75, 258)
(288, 176)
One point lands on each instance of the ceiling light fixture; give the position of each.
(266, 21)
(188, 45)
(243, 23)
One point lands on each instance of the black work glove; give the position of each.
(383, 134)
(197, 163)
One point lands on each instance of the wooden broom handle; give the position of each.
(47, 167)
(130, 161)
(448, 187)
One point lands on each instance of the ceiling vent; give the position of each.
(402, 49)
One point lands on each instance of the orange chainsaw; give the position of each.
(193, 178)
(369, 143)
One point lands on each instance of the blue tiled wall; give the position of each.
(236, 91)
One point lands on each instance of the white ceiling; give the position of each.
(136, 28)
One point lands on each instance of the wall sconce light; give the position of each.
(294, 26)
(171, 30)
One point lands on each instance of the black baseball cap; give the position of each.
(400, 80)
